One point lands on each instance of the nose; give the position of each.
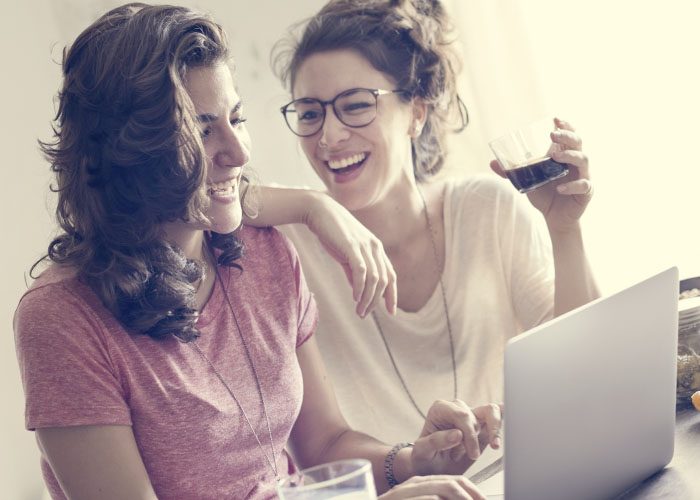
(333, 130)
(234, 150)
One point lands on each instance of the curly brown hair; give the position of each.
(408, 40)
(128, 158)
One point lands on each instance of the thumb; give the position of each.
(426, 448)
(496, 167)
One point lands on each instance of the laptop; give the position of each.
(590, 397)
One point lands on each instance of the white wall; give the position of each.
(625, 72)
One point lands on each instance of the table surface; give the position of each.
(680, 479)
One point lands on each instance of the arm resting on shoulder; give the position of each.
(96, 461)
(275, 206)
(357, 250)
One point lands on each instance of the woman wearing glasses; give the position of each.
(374, 95)
(165, 352)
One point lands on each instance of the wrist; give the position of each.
(568, 231)
(398, 466)
(314, 203)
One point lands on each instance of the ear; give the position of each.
(419, 114)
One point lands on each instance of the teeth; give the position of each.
(344, 162)
(222, 187)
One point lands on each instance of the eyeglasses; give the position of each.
(354, 107)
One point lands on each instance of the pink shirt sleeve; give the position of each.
(65, 365)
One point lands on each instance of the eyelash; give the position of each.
(235, 122)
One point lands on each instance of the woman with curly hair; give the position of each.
(374, 95)
(165, 351)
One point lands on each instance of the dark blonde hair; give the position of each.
(408, 40)
(128, 158)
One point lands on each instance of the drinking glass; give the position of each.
(525, 156)
(342, 480)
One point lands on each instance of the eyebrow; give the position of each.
(209, 117)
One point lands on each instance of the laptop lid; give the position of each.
(590, 396)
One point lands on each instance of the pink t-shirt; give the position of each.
(80, 367)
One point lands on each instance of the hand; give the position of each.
(441, 487)
(359, 252)
(563, 201)
(454, 436)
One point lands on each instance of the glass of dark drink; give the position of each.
(525, 156)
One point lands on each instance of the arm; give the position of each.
(574, 284)
(322, 435)
(354, 247)
(96, 461)
(562, 203)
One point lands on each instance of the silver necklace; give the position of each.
(447, 319)
(272, 462)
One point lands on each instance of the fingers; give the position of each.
(496, 167)
(390, 292)
(491, 416)
(569, 150)
(435, 487)
(567, 139)
(456, 415)
(581, 187)
(426, 448)
(563, 124)
(372, 277)
(376, 279)
(358, 271)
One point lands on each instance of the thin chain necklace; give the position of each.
(272, 462)
(447, 319)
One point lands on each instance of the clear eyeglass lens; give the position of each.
(355, 108)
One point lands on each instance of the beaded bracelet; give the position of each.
(389, 463)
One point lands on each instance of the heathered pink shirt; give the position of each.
(80, 367)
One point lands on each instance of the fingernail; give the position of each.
(497, 442)
(454, 436)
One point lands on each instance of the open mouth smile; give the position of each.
(346, 165)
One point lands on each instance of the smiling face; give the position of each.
(226, 141)
(359, 166)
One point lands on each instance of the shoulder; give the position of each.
(266, 243)
(269, 254)
(480, 188)
(57, 289)
(58, 307)
(479, 198)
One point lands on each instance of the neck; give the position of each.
(397, 218)
(189, 240)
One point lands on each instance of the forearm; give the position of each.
(274, 206)
(574, 284)
(353, 444)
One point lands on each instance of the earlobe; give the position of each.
(420, 114)
(416, 129)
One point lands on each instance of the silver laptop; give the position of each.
(590, 396)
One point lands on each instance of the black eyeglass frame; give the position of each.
(375, 92)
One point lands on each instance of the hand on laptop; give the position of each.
(454, 436)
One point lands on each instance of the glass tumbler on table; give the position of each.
(341, 480)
